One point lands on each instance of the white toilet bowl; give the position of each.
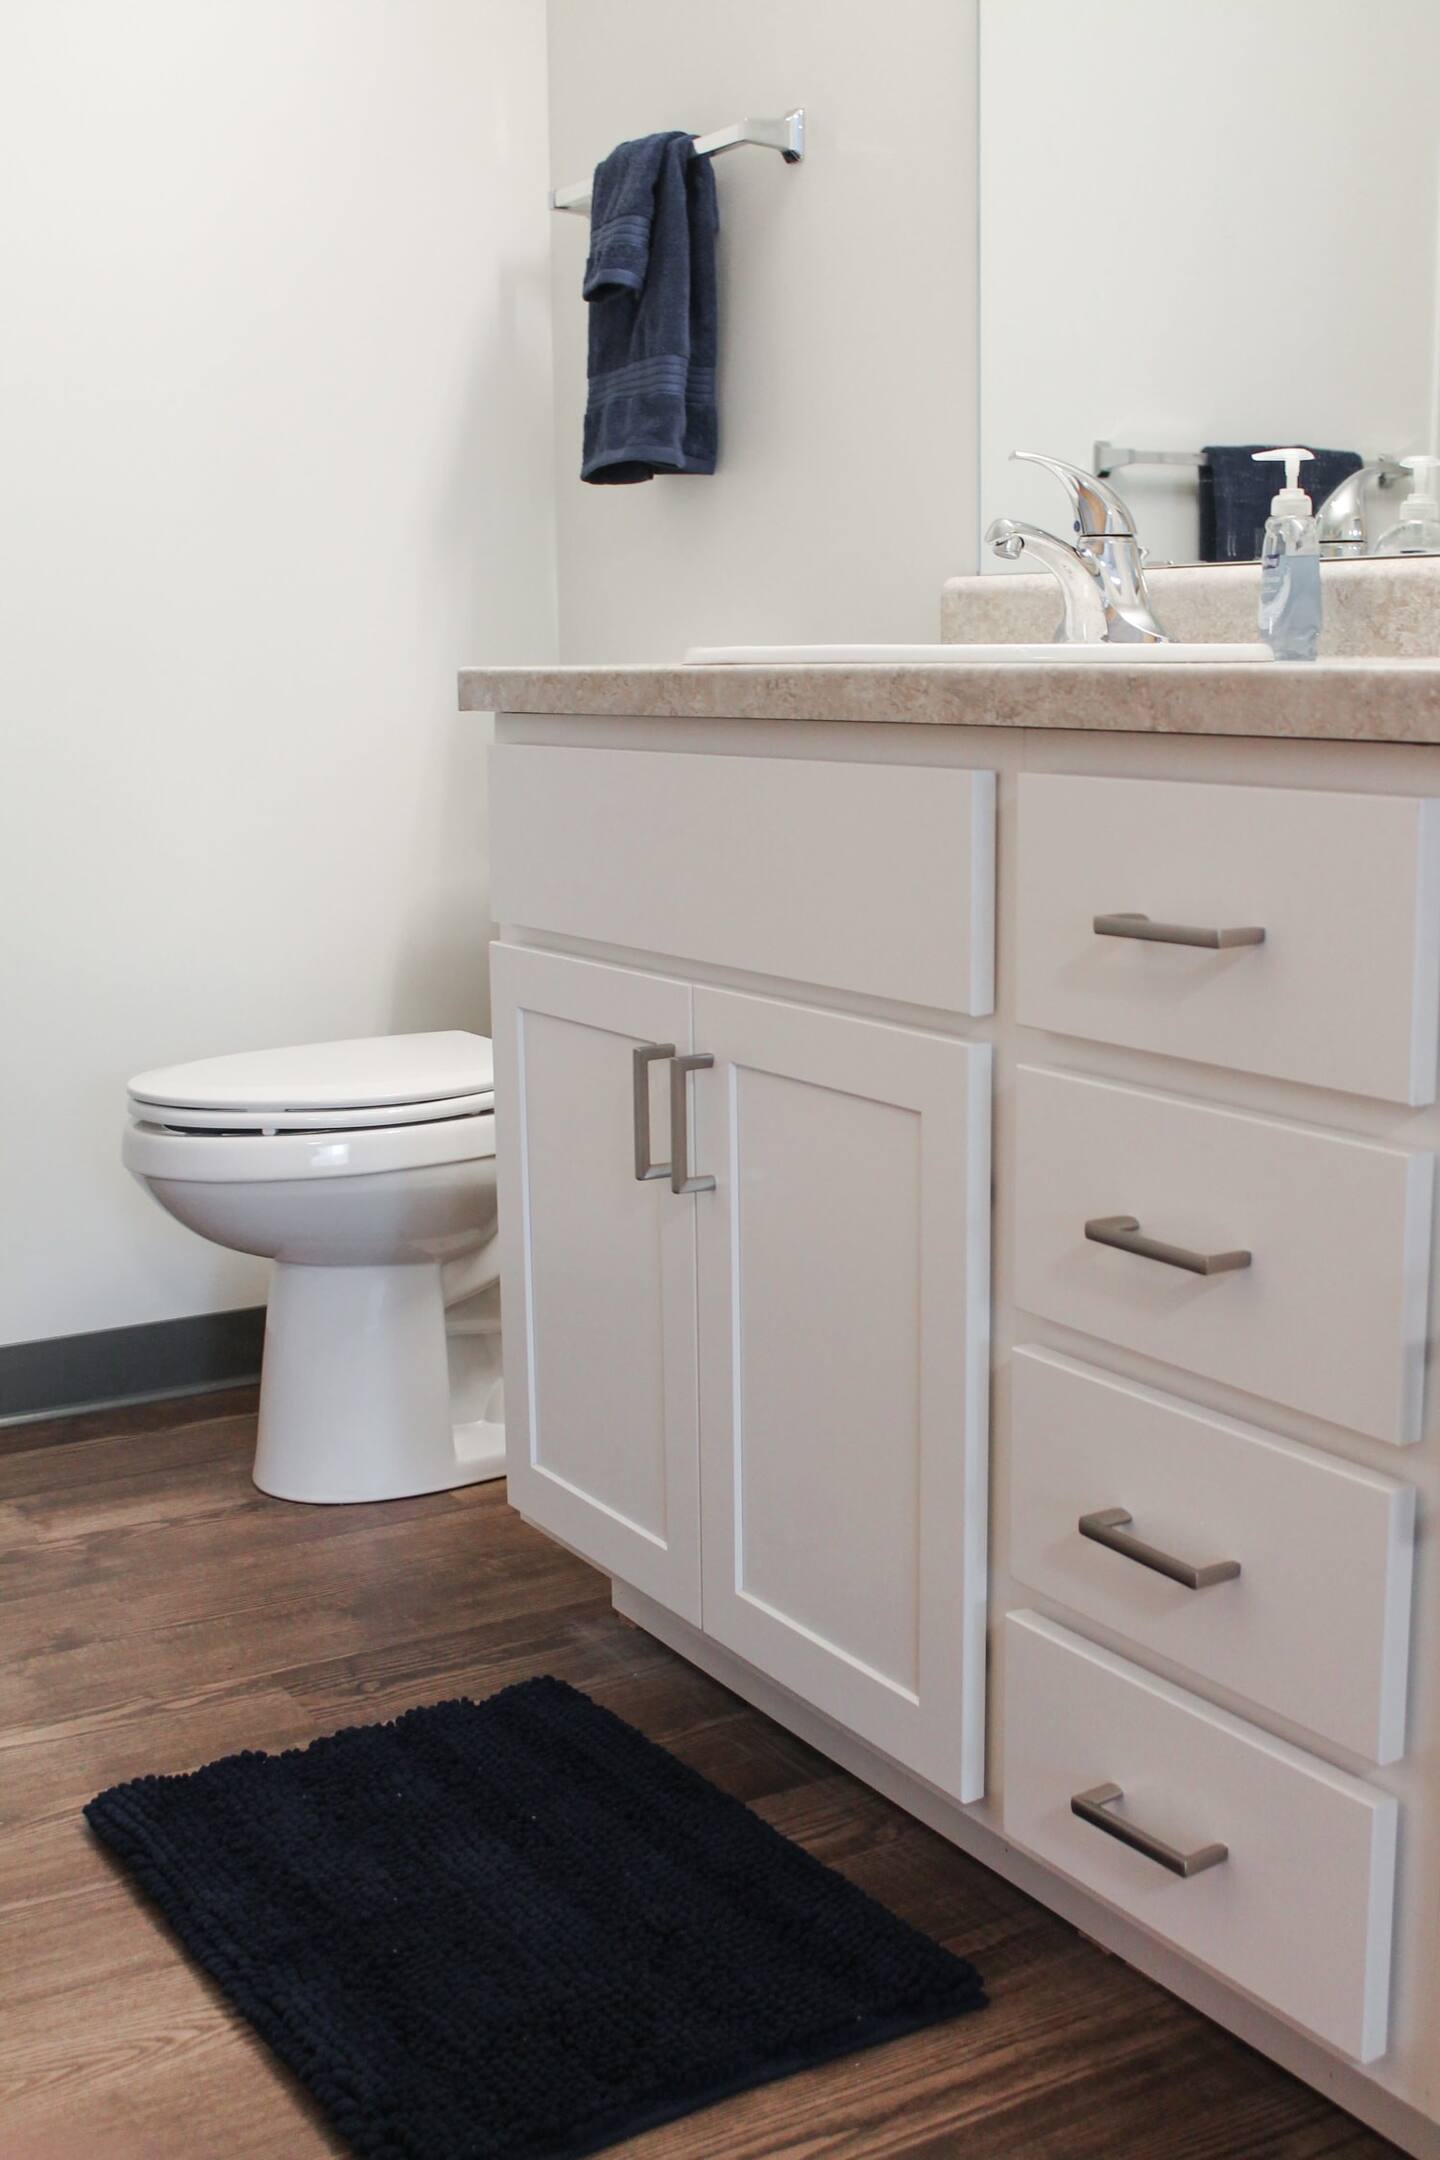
(366, 1171)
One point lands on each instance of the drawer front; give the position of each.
(872, 878)
(1342, 993)
(1297, 1912)
(1329, 1317)
(1316, 1624)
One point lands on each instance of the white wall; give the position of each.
(276, 442)
(846, 490)
(1153, 272)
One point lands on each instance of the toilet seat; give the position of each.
(154, 1150)
(180, 1117)
(366, 1081)
(368, 1104)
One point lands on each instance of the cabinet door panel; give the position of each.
(844, 1318)
(598, 1272)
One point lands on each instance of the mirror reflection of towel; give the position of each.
(1235, 494)
(651, 285)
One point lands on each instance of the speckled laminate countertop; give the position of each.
(1339, 700)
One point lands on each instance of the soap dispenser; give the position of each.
(1417, 529)
(1290, 600)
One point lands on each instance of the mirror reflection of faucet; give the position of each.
(1101, 573)
(1417, 529)
(1342, 515)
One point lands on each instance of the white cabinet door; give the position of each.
(598, 1271)
(844, 1260)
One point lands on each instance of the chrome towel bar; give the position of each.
(1109, 457)
(786, 135)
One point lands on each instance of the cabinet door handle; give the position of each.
(1173, 933)
(681, 1180)
(1107, 1527)
(1124, 1233)
(644, 1056)
(1092, 1807)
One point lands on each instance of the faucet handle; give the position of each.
(1096, 506)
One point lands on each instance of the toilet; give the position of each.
(365, 1170)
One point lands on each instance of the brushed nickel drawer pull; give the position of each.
(1092, 1808)
(645, 1054)
(1107, 1527)
(1124, 1233)
(681, 1180)
(1170, 933)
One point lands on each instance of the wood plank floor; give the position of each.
(155, 1611)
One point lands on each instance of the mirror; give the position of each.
(1207, 222)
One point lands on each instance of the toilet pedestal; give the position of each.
(474, 1345)
(355, 1400)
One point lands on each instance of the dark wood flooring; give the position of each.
(155, 1611)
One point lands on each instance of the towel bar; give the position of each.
(787, 136)
(1109, 457)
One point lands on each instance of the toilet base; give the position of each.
(480, 1448)
(355, 1389)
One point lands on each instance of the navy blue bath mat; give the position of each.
(516, 1929)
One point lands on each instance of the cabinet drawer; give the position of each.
(1297, 1912)
(1329, 1317)
(1342, 993)
(870, 878)
(1316, 1624)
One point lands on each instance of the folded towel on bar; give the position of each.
(1235, 494)
(650, 282)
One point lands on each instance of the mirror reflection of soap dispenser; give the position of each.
(1417, 529)
(1290, 596)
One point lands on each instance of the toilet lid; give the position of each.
(367, 1081)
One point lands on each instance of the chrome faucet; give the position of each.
(1342, 514)
(1101, 573)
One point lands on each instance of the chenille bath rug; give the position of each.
(516, 1929)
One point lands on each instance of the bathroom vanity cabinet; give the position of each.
(802, 1338)
(989, 1329)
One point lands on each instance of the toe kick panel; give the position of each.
(1275, 1258)
(1122, 1782)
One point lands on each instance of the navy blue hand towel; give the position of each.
(1235, 494)
(650, 282)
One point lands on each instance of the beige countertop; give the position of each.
(1336, 700)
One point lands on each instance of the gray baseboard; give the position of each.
(130, 1364)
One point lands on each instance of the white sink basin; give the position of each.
(972, 655)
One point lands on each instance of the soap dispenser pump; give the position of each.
(1290, 599)
(1417, 529)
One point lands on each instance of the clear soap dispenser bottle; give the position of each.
(1290, 599)
(1417, 529)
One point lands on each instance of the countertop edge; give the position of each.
(1342, 700)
